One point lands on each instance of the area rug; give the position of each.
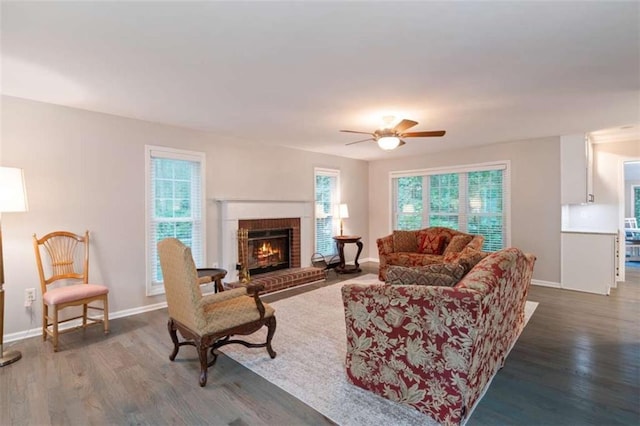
(311, 343)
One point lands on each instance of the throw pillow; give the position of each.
(405, 241)
(457, 244)
(435, 275)
(430, 243)
(469, 257)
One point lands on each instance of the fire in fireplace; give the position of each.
(269, 250)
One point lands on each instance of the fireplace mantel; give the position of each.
(233, 210)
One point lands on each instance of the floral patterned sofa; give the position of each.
(423, 247)
(436, 348)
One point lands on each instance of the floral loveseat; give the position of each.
(423, 247)
(436, 348)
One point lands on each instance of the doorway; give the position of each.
(631, 212)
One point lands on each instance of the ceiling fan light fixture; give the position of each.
(388, 142)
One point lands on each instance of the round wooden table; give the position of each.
(341, 240)
(216, 274)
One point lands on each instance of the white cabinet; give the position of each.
(588, 261)
(576, 169)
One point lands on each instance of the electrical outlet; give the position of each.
(29, 296)
(214, 265)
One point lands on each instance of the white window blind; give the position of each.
(327, 199)
(473, 199)
(175, 206)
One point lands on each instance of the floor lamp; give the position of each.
(13, 198)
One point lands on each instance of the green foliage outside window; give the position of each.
(485, 207)
(173, 215)
(326, 186)
(470, 202)
(409, 205)
(444, 200)
(636, 200)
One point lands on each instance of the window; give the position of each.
(635, 192)
(175, 206)
(327, 199)
(471, 199)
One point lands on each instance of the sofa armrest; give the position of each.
(385, 245)
(412, 344)
(385, 248)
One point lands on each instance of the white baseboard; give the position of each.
(37, 331)
(546, 283)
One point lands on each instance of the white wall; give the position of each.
(535, 195)
(85, 170)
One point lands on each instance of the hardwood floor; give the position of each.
(576, 363)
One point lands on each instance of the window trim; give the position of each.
(324, 171)
(154, 151)
(466, 168)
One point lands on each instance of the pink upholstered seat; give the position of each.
(73, 292)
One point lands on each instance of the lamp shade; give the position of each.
(13, 197)
(388, 142)
(344, 211)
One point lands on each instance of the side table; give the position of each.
(341, 240)
(216, 274)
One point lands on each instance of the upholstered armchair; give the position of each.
(208, 322)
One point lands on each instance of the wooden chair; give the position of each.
(66, 283)
(208, 322)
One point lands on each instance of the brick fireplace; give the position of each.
(261, 215)
(273, 244)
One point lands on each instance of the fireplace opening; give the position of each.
(269, 250)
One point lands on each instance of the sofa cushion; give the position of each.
(457, 244)
(412, 259)
(441, 274)
(468, 258)
(405, 241)
(430, 242)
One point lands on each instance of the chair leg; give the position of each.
(85, 309)
(105, 317)
(55, 329)
(174, 338)
(204, 365)
(271, 326)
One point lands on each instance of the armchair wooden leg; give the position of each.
(85, 309)
(204, 365)
(271, 326)
(174, 338)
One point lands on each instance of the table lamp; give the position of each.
(13, 198)
(343, 213)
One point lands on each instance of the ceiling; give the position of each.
(294, 73)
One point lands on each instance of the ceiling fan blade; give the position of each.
(433, 133)
(355, 131)
(363, 140)
(404, 125)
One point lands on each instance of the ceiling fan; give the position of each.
(389, 138)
